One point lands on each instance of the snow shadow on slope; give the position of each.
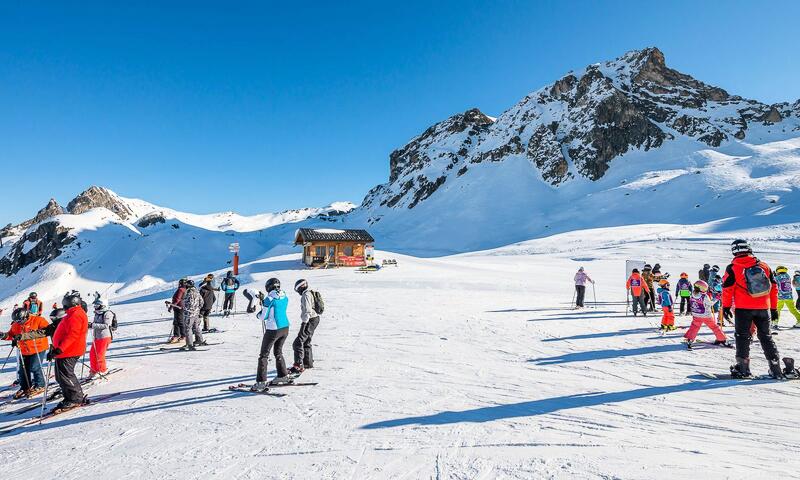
(589, 336)
(547, 405)
(607, 354)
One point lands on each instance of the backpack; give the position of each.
(757, 281)
(319, 304)
(113, 321)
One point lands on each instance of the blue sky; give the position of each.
(264, 106)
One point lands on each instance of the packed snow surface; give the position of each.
(470, 366)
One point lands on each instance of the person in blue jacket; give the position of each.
(683, 290)
(276, 330)
(229, 286)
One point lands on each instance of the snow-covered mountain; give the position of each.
(620, 142)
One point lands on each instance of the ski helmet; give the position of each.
(781, 269)
(272, 284)
(706, 266)
(684, 275)
(663, 282)
(182, 282)
(715, 268)
(229, 274)
(580, 269)
(647, 267)
(58, 314)
(740, 247)
(635, 270)
(33, 295)
(300, 286)
(71, 299)
(100, 305)
(19, 315)
(189, 283)
(797, 272)
(701, 285)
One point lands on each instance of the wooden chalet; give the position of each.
(333, 247)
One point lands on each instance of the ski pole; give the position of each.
(24, 371)
(90, 368)
(7, 357)
(46, 385)
(594, 293)
(572, 302)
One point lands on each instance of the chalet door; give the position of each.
(332, 254)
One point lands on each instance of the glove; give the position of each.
(670, 308)
(727, 314)
(773, 315)
(17, 338)
(261, 296)
(90, 324)
(51, 354)
(13, 343)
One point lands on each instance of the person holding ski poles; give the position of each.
(310, 312)
(649, 278)
(69, 345)
(750, 284)
(637, 288)
(103, 333)
(276, 329)
(229, 286)
(580, 286)
(32, 351)
(178, 334)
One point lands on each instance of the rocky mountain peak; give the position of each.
(49, 211)
(95, 197)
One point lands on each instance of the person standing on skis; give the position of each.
(785, 296)
(667, 305)
(276, 329)
(33, 304)
(705, 273)
(229, 286)
(191, 304)
(102, 331)
(580, 286)
(178, 334)
(702, 310)
(750, 285)
(796, 285)
(683, 290)
(637, 288)
(648, 277)
(209, 293)
(309, 318)
(69, 345)
(32, 351)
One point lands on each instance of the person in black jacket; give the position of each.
(208, 292)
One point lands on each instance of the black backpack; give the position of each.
(757, 282)
(319, 304)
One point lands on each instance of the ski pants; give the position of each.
(797, 302)
(668, 316)
(792, 309)
(206, 321)
(651, 298)
(303, 354)
(685, 305)
(710, 322)
(67, 380)
(228, 303)
(580, 293)
(191, 326)
(744, 319)
(30, 366)
(273, 340)
(97, 355)
(639, 301)
(177, 323)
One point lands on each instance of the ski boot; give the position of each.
(723, 343)
(296, 369)
(20, 394)
(281, 381)
(796, 325)
(64, 406)
(172, 340)
(774, 327)
(35, 391)
(689, 344)
(201, 344)
(788, 369)
(671, 328)
(190, 348)
(259, 387)
(741, 369)
(775, 370)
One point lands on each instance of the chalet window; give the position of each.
(348, 251)
(320, 251)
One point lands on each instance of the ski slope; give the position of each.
(469, 366)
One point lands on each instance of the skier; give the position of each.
(178, 334)
(704, 273)
(750, 284)
(796, 285)
(229, 285)
(309, 318)
(103, 332)
(276, 324)
(647, 276)
(785, 296)
(191, 304)
(69, 344)
(667, 303)
(713, 276)
(33, 304)
(251, 300)
(638, 289)
(683, 290)
(580, 286)
(208, 292)
(32, 351)
(701, 305)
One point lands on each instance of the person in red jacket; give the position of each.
(32, 351)
(178, 335)
(69, 345)
(638, 290)
(754, 292)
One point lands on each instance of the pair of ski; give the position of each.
(790, 367)
(57, 395)
(690, 346)
(54, 413)
(244, 387)
(182, 348)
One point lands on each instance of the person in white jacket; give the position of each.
(702, 307)
(303, 354)
(102, 333)
(580, 286)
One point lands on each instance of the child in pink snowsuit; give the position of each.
(702, 308)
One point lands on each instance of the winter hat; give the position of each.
(100, 305)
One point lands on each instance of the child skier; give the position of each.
(785, 296)
(638, 290)
(102, 330)
(276, 329)
(703, 313)
(647, 276)
(665, 298)
(32, 352)
(796, 285)
(683, 290)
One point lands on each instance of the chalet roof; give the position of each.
(332, 235)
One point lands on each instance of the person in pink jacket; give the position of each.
(701, 305)
(580, 287)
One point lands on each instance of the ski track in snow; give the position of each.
(461, 367)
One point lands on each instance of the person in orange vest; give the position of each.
(69, 345)
(750, 284)
(33, 304)
(33, 352)
(638, 289)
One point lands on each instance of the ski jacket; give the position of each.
(101, 325)
(703, 274)
(684, 288)
(734, 288)
(29, 347)
(177, 297)
(796, 282)
(785, 289)
(34, 307)
(713, 277)
(580, 278)
(230, 284)
(701, 305)
(664, 297)
(209, 297)
(307, 311)
(192, 302)
(648, 278)
(274, 312)
(70, 336)
(636, 284)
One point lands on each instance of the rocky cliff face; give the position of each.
(40, 245)
(577, 126)
(95, 197)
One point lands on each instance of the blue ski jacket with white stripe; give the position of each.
(274, 312)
